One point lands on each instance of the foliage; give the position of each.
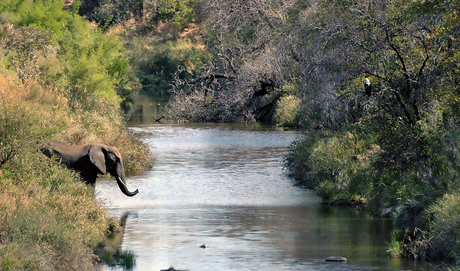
(409, 53)
(338, 167)
(158, 64)
(59, 80)
(88, 66)
(20, 126)
(242, 81)
(25, 46)
(444, 226)
(179, 12)
(287, 111)
(162, 44)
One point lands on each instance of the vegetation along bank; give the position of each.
(60, 79)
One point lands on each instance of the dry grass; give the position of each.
(49, 219)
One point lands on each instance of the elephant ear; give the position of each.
(97, 157)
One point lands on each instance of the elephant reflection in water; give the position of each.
(90, 160)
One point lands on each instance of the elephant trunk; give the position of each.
(122, 183)
(124, 189)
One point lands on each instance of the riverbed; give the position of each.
(223, 185)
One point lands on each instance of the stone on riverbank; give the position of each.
(336, 259)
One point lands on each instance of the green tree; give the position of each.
(24, 46)
(409, 53)
(93, 67)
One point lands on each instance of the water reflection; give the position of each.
(224, 186)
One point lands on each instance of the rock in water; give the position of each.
(336, 259)
(205, 246)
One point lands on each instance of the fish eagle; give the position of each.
(368, 87)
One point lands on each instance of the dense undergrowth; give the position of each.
(60, 79)
(393, 147)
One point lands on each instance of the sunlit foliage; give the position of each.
(59, 80)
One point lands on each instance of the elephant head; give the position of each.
(90, 160)
(108, 160)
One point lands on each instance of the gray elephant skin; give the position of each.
(90, 160)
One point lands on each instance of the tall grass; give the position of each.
(49, 219)
(338, 167)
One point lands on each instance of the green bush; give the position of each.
(296, 162)
(337, 167)
(180, 13)
(444, 227)
(88, 67)
(287, 111)
(159, 63)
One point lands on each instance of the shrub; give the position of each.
(158, 63)
(296, 162)
(180, 13)
(88, 65)
(337, 167)
(444, 226)
(287, 111)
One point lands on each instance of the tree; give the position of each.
(409, 52)
(242, 82)
(24, 46)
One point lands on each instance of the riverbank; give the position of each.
(347, 168)
(59, 80)
(49, 218)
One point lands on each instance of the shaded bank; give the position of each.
(345, 168)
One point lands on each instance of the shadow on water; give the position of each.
(223, 185)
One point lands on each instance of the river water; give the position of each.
(224, 186)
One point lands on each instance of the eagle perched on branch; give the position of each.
(368, 87)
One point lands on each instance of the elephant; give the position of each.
(90, 160)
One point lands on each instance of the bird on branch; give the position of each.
(368, 87)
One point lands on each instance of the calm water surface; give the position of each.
(223, 185)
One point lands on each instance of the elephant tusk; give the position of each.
(124, 188)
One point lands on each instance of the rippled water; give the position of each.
(223, 185)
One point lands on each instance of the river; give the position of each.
(224, 186)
